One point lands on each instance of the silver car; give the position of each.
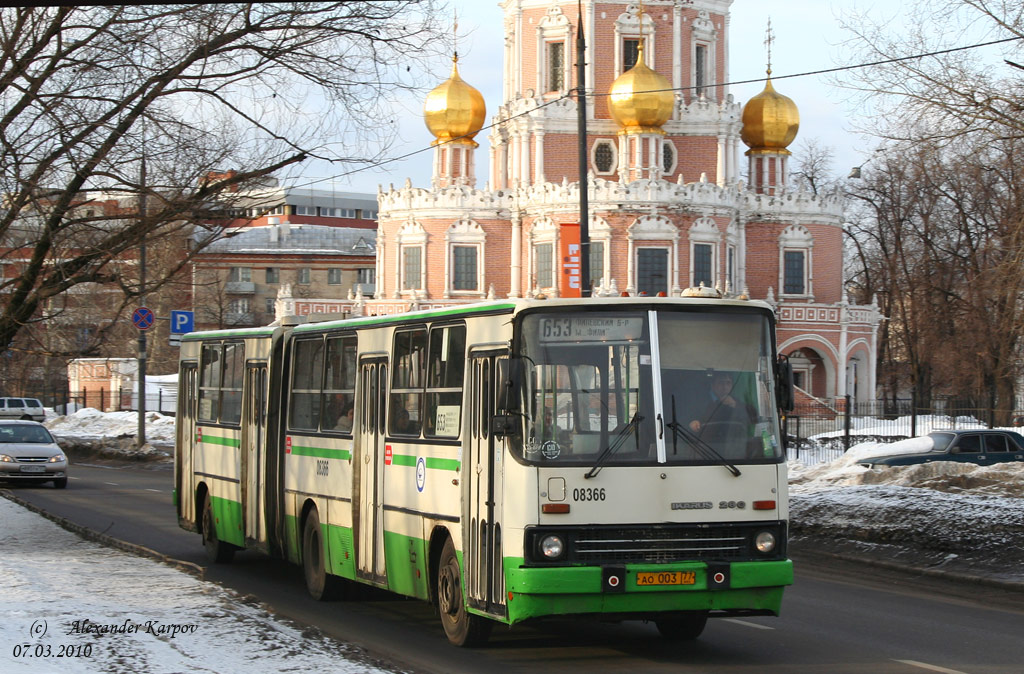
(28, 453)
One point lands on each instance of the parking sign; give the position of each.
(182, 322)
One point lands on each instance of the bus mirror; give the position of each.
(784, 389)
(510, 374)
(504, 425)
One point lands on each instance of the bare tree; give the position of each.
(104, 107)
(813, 169)
(953, 92)
(939, 236)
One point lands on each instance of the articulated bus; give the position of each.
(615, 458)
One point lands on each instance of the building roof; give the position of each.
(297, 240)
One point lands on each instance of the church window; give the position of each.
(794, 273)
(412, 268)
(796, 246)
(465, 267)
(556, 66)
(596, 262)
(668, 157)
(703, 264)
(543, 264)
(630, 52)
(604, 157)
(700, 69)
(652, 270)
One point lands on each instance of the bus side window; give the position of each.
(405, 413)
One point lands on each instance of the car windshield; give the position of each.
(605, 388)
(24, 433)
(940, 441)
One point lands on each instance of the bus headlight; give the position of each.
(764, 542)
(552, 547)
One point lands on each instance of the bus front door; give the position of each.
(370, 407)
(485, 577)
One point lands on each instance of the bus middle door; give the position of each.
(485, 577)
(371, 406)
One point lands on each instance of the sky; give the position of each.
(807, 37)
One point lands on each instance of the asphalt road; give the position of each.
(838, 616)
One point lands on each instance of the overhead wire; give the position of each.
(573, 93)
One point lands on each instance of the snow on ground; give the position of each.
(91, 424)
(72, 605)
(950, 515)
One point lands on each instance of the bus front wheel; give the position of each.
(461, 627)
(217, 551)
(682, 628)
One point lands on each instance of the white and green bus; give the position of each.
(615, 458)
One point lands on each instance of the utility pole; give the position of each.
(581, 108)
(142, 302)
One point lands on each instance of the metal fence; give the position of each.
(106, 400)
(837, 427)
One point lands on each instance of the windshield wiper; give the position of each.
(698, 443)
(614, 445)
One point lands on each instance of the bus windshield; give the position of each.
(643, 387)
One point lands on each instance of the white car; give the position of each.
(22, 408)
(28, 453)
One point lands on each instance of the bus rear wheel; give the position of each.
(461, 627)
(320, 585)
(682, 627)
(217, 551)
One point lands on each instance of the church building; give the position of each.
(669, 206)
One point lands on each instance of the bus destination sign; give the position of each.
(591, 329)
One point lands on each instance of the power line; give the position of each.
(809, 73)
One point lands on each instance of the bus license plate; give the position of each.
(33, 469)
(666, 578)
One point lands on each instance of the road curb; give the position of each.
(104, 539)
(955, 576)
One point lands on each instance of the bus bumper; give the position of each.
(750, 587)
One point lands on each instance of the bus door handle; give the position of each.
(661, 427)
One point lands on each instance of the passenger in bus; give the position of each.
(721, 407)
(344, 423)
(403, 424)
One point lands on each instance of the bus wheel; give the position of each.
(321, 586)
(462, 628)
(217, 551)
(682, 628)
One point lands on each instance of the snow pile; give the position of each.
(59, 611)
(91, 424)
(942, 513)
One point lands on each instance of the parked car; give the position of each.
(28, 453)
(22, 408)
(981, 447)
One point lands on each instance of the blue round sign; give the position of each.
(421, 474)
(143, 318)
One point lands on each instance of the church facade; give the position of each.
(665, 147)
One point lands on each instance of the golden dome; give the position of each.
(454, 109)
(641, 99)
(770, 120)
